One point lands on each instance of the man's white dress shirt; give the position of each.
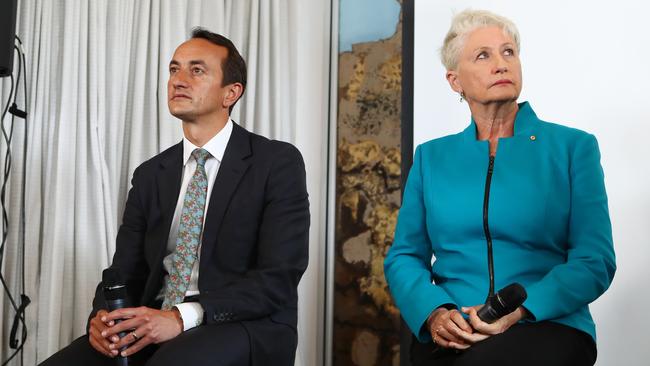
(192, 312)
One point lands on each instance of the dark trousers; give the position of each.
(222, 345)
(531, 344)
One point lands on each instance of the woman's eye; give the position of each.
(508, 52)
(481, 56)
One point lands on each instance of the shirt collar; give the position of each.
(524, 122)
(216, 146)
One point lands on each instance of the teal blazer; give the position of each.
(548, 219)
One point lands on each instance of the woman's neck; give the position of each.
(493, 121)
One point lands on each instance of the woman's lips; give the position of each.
(503, 81)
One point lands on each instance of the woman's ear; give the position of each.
(452, 79)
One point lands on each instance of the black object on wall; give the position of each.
(8, 10)
(408, 25)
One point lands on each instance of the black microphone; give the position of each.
(116, 298)
(504, 302)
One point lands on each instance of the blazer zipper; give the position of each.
(486, 228)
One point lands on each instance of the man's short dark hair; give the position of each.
(234, 66)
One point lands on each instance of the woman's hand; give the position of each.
(484, 330)
(449, 329)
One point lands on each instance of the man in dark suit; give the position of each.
(214, 237)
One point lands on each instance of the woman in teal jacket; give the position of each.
(540, 202)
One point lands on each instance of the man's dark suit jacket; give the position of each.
(255, 240)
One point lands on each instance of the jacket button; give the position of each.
(533, 138)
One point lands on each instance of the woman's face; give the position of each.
(488, 68)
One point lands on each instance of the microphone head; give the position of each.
(114, 287)
(111, 277)
(511, 297)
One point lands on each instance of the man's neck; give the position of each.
(200, 132)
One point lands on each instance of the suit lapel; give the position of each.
(168, 179)
(233, 167)
(168, 184)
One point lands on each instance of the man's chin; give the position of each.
(180, 113)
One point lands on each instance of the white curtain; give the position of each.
(97, 72)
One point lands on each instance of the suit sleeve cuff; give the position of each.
(191, 314)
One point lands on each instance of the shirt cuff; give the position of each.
(191, 314)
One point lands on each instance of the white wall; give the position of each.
(585, 65)
(311, 107)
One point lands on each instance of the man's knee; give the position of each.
(222, 345)
(79, 352)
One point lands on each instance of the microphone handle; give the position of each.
(120, 360)
(117, 304)
(114, 305)
(487, 313)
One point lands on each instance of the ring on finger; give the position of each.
(135, 336)
(436, 333)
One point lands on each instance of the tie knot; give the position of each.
(200, 155)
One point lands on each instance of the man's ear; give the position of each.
(452, 79)
(233, 94)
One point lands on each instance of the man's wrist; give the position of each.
(191, 314)
(179, 318)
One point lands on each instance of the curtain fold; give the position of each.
(97, 76)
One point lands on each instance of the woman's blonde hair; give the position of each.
(466, 22)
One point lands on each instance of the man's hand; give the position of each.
(99, 342)
(143, 326)
(446, 327)
(485, 330)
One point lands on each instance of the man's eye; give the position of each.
(172, 70)
(197, 71)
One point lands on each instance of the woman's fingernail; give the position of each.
(104, 333)
(124, 354)
(114, 352)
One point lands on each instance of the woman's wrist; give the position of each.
(434, 314)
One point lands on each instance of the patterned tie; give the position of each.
(189, 233)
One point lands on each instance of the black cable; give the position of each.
(20, 310)
(25, 300)
(486, 227)
(7, 166)
(4, 228)
(2, 123)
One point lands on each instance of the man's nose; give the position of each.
(179, 80)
